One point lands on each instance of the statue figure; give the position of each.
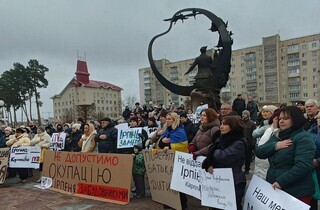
(205, 69)
(213, 73)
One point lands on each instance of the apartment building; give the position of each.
(274, 72)
(103, 98)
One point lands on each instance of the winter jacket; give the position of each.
(72, 142)
(87, 143)
(250, 127)
(203, 138)
(138, 166)
(189, 129)
(22, 140)
(108, 145)
(291, 167)
(45, 140)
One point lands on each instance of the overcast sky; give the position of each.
(114, 34)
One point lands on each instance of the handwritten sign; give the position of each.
(260, 195)
(58, 141)
(150, 131)
(4, 155)
(104, 177)
(217, 189)
(24, 157)
(159, 170)
(186, 177)
(129, 137)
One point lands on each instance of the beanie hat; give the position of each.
(246, 112)
(8, 129)
(134, 119)
(270, 108)
(138, 146)
(77, 126)
(41, 128)
(19, 130)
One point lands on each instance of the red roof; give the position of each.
(97, 84)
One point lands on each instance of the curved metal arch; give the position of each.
(223, 63)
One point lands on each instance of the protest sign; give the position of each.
(4, 155)
(58, 141)
(122, 126)
(159, 170)
(260, 195)
(217, 189)
(198, 111)
(185, 176)
(150, 131)
(24, 157)
(129, 137)
(104, 177)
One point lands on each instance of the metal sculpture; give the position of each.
(215, 75)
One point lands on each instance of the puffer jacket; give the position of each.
(203, 138)
(44, 143)
(22, 140)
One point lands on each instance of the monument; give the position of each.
(212, 74)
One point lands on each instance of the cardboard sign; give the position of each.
(104, 177)
(128, 137)
(24, 157)
(260, 195)
(186, 177)
(159, 170)
(58, 141)
(4, 155)
(217, 189)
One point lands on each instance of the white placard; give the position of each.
(128, 137)
(150, 131)
(217, 189)
(57, 141)
(24, 157)
(261, 196)
(185, 175)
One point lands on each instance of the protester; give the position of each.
(250, 126)
(174, 137)
(42, 140)
(71, 144)
(138, 171)
(262, 165)
(239, 105)
(267, 112)
(300, 105)
(6, 137)
(207, 133)
(312, 109)
(107, 136)
(50, 130)
(126, 113)
(291, 154)
(229, 152)
(21, 139)
(161, 128)
(87, 142)
(225, 110)
(252, 108)
(33, 127)
(137, 108)
(189, 127)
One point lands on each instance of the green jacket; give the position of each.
(138, 165)
(291, 167)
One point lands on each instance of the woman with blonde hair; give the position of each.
(87, 142)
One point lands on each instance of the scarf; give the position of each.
(285, 134)
(227, 139)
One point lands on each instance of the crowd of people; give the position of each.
(283, 142)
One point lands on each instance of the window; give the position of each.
(314, 70)
(293, 47)
(304, 46)
(305, 87)
(315, 78)
(314, 61)
(304, 78)
(304, 63)
(315, 86)
(314, 53)
(314, 44)
(305, 95)
(303, 55)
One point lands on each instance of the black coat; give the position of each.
(108, 145)
(72, 142)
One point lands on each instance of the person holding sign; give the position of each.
(87, 142)
(229, 151)
(175, 138)
(21, 139)
(42, 140)
(290, 155)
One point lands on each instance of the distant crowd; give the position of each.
(283, 142)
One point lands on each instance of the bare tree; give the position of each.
(86, 111)
(129, 101)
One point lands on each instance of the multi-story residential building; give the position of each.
(103, 97)
(274, 72)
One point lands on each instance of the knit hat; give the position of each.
(246, 112)
(41, 128)
(8, 129)
(19, 130)
(270, 108)
(138, 146)
(77, 126)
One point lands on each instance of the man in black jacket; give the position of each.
(107, 136)
(188, 126)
